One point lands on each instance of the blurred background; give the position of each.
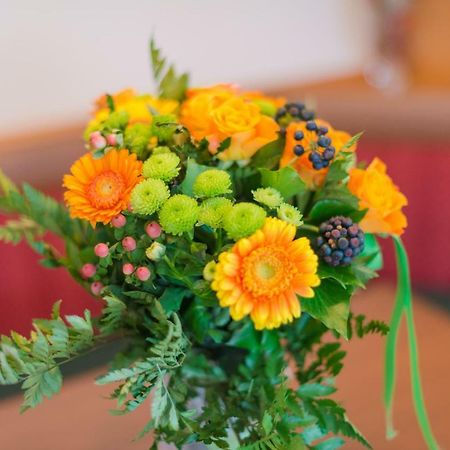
(380, 66)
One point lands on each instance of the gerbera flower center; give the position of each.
(267, 271)
(106, 189)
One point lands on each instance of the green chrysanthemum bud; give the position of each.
(243, 219)
(148, 196)
(179, 214)
(213, 210)
(161, 149)
(290, 214)
(116, 120)
(211, 183)
(163, 166)
(156, 251)
(209, 271)
(266, 108)
(137, 138)
(164, 126)
(268, 196)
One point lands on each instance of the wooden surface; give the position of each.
(77, 419)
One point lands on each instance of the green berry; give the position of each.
(211, 183)
(213, 211)
(163, 166)
(179, 214)
(290, 214)
(243, 220)
(148, 196)
(269, 197)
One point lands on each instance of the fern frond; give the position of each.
(35, 361)
(170, 84)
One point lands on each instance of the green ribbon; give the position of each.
(403, 306)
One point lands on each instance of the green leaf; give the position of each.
(267, 423)
(172, 298)
(39, 385)
(373, 257)
(310, 390)
(343, 275)
(80, 324)
(339, 204)
(330, 305)
(352, 141)
(330, 444)
(285, 180)
(362, 273)
(269, 155)
(170, 84)
(112, 314)
(159, 402)
(246, 337)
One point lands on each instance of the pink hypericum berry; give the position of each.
(111, 139)
(101, 250)
(129, 244)
(119, 221)
(143, 273)
(97, 140)
(153, 229)
(96, 287)
(88, 271)
(128, 269)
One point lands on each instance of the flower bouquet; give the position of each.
(225, 233)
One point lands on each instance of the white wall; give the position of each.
(57, 55)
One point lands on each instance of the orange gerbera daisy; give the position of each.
(99, 189)
(262, 275)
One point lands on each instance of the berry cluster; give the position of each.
(322, 152)
(292, 111)
(340, 241)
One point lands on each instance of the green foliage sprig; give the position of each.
(35, 361)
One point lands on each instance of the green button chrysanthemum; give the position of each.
(116, 120)
(211, 183)
(148, 196)
(268, 196)
(137, 138)
(213, 211)
(290, 214)
(179, 214)
(161, 149)
(243, 219)
(163, 166)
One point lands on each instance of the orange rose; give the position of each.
(219, 112)
(381, 197)
(312, 177)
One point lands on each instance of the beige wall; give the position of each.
(57, 55)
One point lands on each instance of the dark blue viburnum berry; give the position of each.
(299, 135)
(311, 125)
(339, 241)
(307, 114)
(299, 150)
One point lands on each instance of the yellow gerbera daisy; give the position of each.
(99, 189)
(262, 275)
